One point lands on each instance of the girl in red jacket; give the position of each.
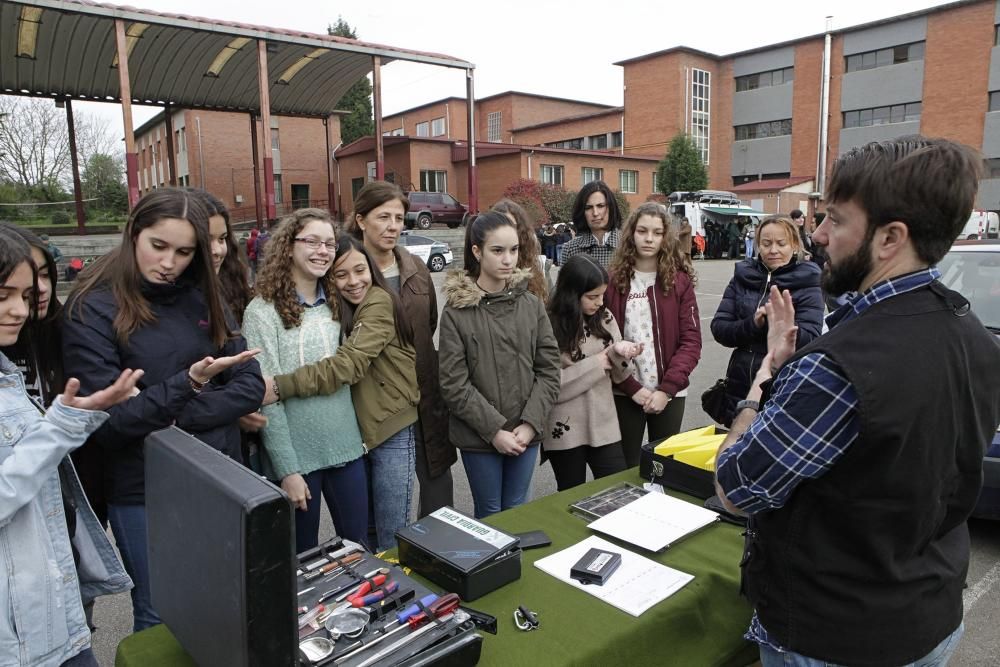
(652, 295)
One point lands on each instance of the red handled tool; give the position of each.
(365, 600)
(443, 606)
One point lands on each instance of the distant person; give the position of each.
(597, 219)
(733, 239)
(819, 252)
(805, 238)
(859, 458)
(684, 236)
(740, 321)
(51, 247)
(748, 240)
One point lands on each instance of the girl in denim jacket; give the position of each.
(44, 623)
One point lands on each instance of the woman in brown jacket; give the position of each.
(377, 221)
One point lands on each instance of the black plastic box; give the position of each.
(455, 559)
(673, 474)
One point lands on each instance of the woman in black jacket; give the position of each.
(740, 321)
(154, 303)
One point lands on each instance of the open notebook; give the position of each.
(654, 521)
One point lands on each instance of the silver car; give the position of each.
(435, 254)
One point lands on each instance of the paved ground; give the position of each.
(981, 644)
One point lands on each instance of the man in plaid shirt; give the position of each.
(859, 463)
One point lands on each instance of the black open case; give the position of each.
(225, 578)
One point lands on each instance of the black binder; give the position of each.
(221, 555)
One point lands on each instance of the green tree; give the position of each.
(102, 179)
(357, 100)
(681, 168)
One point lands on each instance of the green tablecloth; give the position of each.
(702, 624)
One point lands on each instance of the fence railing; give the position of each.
(248, 214)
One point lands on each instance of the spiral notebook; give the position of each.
(654, 521)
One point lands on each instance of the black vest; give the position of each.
(866, 565)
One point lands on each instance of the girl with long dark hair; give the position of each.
(499, 365)
(592, 355)
(528, 247)
(312, 446)
(154, 302)
(45, 622)
(652, 296)
(377, 359)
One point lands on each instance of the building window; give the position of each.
(656, 186)
(372, 169)
(277, 188)
(433, 181)
(275, 141)
(995, 101)
(575, 144)
(592, 174)
(892, 55)
(598, 142)
(616, 139)
(552, 174)
(774, 128)
(627, 180)
(493, 119)
(437, 127)
(896, 113)
(774, 77)
(701, 93)
(993, 168)
(398, 132)
(423, 129)
(996, 35)
(356, 185)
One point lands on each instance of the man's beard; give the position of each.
(848, 274)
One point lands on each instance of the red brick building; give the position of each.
(213, 150)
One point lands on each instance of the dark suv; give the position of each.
(430, 207)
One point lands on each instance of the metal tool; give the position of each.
(358, 600)
(444, 605)
(333, 566)
(405, 640)
(337, 591)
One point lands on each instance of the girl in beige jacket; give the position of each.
(582, 427)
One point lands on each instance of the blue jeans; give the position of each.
(84, 658)
(392, 473)
(499, 482)
(345, 489)
(128, 523)
(939, 657)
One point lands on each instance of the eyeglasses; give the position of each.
(314, 244)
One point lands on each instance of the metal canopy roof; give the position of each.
(74, 55)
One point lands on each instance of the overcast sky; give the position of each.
(563, 48)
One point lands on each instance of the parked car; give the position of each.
(972, 268)
(430, 207)
(435, 254)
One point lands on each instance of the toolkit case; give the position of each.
(459, 553)
(226, 581)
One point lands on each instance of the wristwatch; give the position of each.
(753, 405)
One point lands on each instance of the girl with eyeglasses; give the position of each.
(312, 446)
(376, 358)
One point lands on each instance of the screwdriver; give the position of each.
(443, 606)
(405, 640)
(336, 565)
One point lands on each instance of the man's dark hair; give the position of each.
(928, 184)
(795, 214)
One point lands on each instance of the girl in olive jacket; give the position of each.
(376, 358)
(499, 366)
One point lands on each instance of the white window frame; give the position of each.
(700, 123)
(438, 127)
(596, 172)
(424, 129)
(277, 188)
(656, 187)
(433, 180)
(275, 139)
(552, 174)
(494, 119)
(628, 181)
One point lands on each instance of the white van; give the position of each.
(981, 225)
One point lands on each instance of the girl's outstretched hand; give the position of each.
(206, 369)
(122, 389)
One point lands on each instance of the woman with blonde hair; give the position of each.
(652, 295)
(740, 321)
